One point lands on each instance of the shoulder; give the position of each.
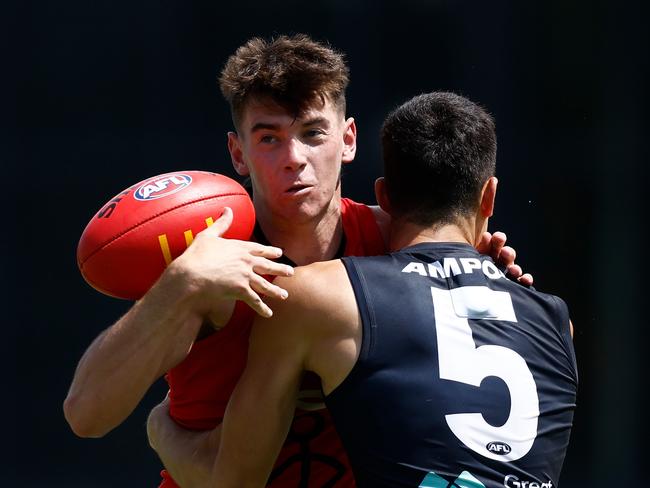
(313, 286)
(548, 305)
(320, 295)
(552, 303)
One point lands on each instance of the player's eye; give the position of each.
(268, 139)
(311, 133)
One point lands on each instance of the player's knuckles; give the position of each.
(254, 299)
(499, 238)
(514, 270)
(207, 241)
(250, 276)
(236, 281)
(508, 254)
(526, 279)
(269, 287)
(244, 292)
(262, 289)
(238, 258)
(264, 266)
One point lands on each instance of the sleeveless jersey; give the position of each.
(465, 379)
(200, 387)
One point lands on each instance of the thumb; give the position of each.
(222, 224)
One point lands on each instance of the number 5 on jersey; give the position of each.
(460, 360)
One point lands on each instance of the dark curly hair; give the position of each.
(293, 71)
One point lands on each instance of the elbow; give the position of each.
(82, 420)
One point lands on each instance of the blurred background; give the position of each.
(103, 94)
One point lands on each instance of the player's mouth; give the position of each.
(299, 188)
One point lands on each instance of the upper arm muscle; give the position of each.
(260, 410)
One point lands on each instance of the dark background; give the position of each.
(102, 94)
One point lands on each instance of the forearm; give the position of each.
(261, 408)
(248, 461)
(123, 362)
(188, 456)
(157, 333)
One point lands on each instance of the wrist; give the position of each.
(179, 290)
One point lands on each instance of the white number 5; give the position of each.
(460, 360)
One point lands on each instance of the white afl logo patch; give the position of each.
(498, 448)
(162, 186)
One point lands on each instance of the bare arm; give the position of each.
(260, 410)
(122, 363)
(187, 455)
(158, 331)
(316, 329)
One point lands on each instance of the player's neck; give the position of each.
(316, 239)
(404, 234)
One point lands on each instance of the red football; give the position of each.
(127, 245)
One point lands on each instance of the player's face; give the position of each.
(294, 163)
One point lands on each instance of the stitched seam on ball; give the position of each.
(126, 231)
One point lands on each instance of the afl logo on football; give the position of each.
(497, 447)
(162, 186)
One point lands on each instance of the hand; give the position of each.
(226, 269)
(187, 455)
(504, 256)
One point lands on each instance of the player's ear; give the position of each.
(382, 195)
(349, 141)
(488, 195)
(236, 154)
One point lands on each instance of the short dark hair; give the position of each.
(293, 71)
(439, 149)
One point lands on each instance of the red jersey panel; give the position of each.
(200, 387)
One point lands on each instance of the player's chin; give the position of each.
(304, 211)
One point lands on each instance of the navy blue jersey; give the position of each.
(465, 379)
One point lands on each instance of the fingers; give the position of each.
(263, 266)
(266, 288)
(260, 286)
(256, 303)
(526, 279)
(236, 268)
(514, 271)
(493, 245)
(270, 252)
(221, 225)
(483, 246)
(497, 242)
(506, 257)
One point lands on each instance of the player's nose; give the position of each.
(296, 155)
